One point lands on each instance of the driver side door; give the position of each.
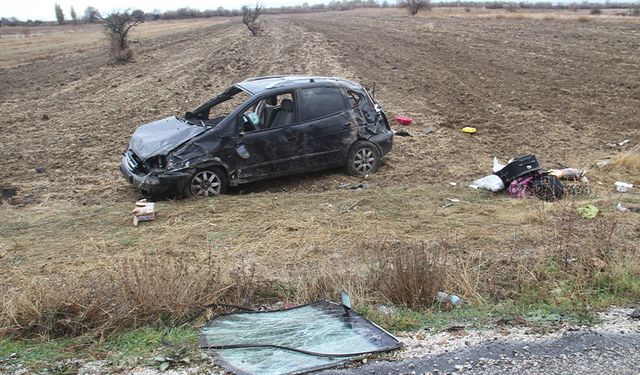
(264, 151)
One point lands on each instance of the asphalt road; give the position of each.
(574, 352)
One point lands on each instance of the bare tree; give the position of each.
(118, 25)
(414, 6)
(59, 14)
(91, 14)
(74, 16)
(250, 18)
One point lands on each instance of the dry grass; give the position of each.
(23, 44)
(428, 27)
(128, 294)
(410, 274)
(584, 18)
(551, 255)
(120, 53)
(626, 161)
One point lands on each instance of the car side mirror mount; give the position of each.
(242, 151)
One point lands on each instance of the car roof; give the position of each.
(258, 85)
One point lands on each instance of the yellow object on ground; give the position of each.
(469, 130)
(589, 211)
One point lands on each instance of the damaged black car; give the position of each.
(260, 128)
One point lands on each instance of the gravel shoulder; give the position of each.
(607, 348)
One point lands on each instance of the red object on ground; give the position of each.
(403, 120)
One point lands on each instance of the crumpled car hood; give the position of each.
(162, 136)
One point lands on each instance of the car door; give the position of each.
(330, 126)
(270, 152)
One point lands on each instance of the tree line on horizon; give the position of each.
(92, 15)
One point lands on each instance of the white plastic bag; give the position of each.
(497, 165)
(491, 183)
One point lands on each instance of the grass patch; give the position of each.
(124, 350)
(392, 318)
(34, 353)
(145, 341)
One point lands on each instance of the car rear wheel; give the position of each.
(207, 182)
(363, 158)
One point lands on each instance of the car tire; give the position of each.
(363, 158)
(206, 182)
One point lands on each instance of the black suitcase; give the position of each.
(519, 167)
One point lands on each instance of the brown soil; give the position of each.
(561, 89)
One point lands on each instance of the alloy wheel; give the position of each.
(364, 160)
(206, 184)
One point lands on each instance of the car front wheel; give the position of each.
(206, 182)
(363, 158)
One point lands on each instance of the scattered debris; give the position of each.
(453, 183)
(619, 144)
(588, 212)
(491, 183)
(578, 190)
(497, 165)
(402, 133)
(428, 131)
(602, 163)
(144, 211)
(519, 188)
(402, 120)
(296, 340)
(40, 169)
(450, 203)
(8, 192)
(547, 188)
(621, 208)
(469, 130)
(442, 297)
(351, 208)
(518, 167)
(354, 186)
(523, 177)
(623, 187)
(567, 173)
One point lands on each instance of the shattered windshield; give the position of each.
(314, 336)
(217, 109)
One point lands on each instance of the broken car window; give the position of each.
(320, 102)
(215, 110)
(272, 112)
(354, 99)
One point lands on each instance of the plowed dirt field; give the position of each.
(559, 88)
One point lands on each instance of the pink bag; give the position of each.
(519, 188)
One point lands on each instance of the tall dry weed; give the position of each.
(625, 161)
(409, 273)
(118, 52)
(128, 294)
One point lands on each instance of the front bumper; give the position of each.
(151, 183)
